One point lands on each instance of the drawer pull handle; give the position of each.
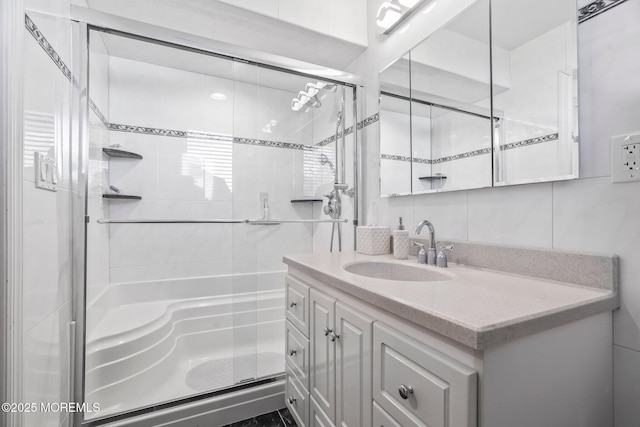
(334, 336)
(405, 391)
(327, 331)
(293, 304)
(292, 400)
(292, 352)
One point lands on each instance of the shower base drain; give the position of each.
(220, 373)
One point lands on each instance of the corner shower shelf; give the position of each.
(115, 152)
(121, 196)
(305, 200)
(431, 178)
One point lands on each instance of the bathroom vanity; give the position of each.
(373, 341)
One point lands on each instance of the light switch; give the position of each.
(46, 172)
(625, 158)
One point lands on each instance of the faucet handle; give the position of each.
(441, 259)
(422, 255)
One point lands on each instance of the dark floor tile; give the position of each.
(267, 420)
(287, 418)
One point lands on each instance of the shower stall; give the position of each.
(200, 169)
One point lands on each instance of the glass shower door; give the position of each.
(203, 173)
(168, 312)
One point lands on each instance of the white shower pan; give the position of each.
(154, 342)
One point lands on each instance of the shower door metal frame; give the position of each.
(11, 206)
(85, 20)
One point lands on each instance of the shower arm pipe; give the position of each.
(216, 221)
(343, 144)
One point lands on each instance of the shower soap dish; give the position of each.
(372, 240)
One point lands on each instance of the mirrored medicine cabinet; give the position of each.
(490, 99)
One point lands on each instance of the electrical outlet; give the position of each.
(625, 158)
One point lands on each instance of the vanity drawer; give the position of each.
(297, 353)
(418, 385)
(297, 399)
(298, 304)
(381, 418)
(317, 418)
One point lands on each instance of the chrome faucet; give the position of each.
(431, 255)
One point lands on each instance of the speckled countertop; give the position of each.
(479, 308)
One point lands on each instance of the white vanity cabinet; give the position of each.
(338, 375)
(417, 385)
(483, 348)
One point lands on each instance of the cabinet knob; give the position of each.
(327, 331)
(292, 400)
(293, 304)
(405, 391)
(292, 352)
(334, 336)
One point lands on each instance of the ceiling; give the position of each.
(237, 26)
(514, 21)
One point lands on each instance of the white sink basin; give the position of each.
(396, 271)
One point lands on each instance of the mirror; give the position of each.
(450, 105)
(395, 129)
(535, 63)
(477, 106)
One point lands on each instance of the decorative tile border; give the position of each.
(146, 130)
(96, 110)
(526, 142)
(421, 160)
(361, 125)
(272, 144)
(462, 155)
(510, 146)
(369, 121)
(46, 46)
(436, 161)
(394, 157)
(207, 136)
(596, 8)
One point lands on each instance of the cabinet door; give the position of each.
(353, 367)
(317, 418)
(322, 378)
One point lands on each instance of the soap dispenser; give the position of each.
(401, 241)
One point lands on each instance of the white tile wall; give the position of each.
(597, 216)
(608, 58)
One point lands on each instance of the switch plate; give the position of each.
(625, 158)
(46, 171)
